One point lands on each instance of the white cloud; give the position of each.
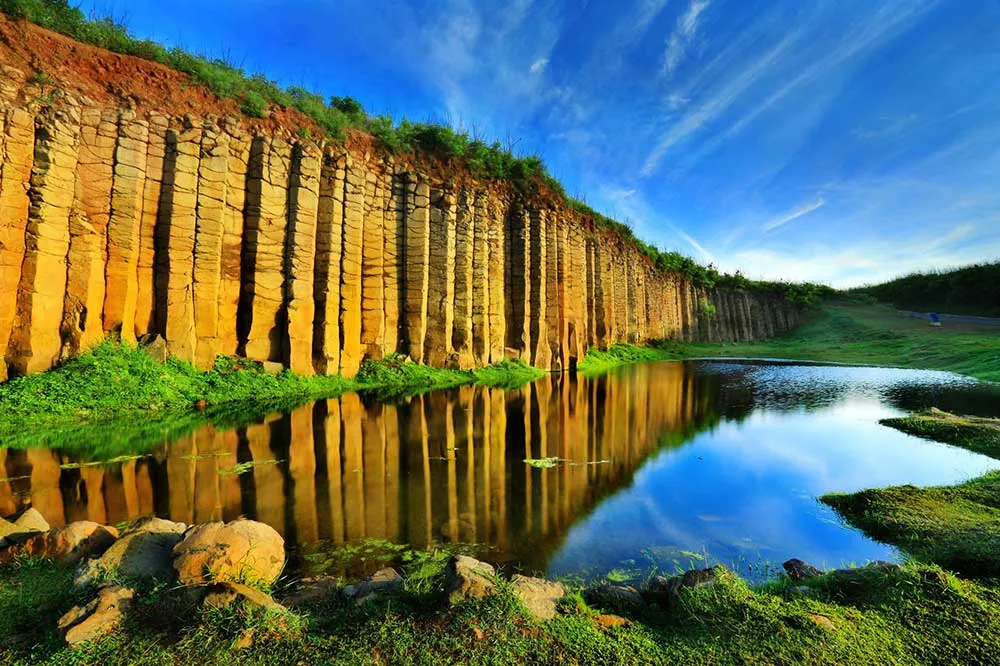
(683, 35)
(804, 209)
(539, 65)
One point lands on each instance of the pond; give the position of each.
(663, 465)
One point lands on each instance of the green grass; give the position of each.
(868, 335)
(597, 361)
(918, 615)
(981, 435)
(971, 290)
(118, 400)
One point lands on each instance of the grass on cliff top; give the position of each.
(956, 527)
(917, 615)
(118, 392)
(869, 335)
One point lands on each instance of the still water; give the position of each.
(663, 464)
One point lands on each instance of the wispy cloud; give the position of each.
(539, 66)
(802, 210)
(683, 35)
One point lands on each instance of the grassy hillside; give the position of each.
(870, 335)
(973, 290)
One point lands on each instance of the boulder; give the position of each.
(67, 545)
(242, 551)
(799, 570)
(16, 531)
(383, 580)
(142, 551)
(97, 618)
(667, 591)
(468, 578)
(538, 596)
(155, 347)
(618, 597)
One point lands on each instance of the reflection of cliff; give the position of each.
(447, 466)
(235, 240)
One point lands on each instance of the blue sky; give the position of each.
(841, 141)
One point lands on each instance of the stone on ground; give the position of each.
(667, 591)
(468, 578)
(243, 551)
(799, 570)
(155, 347)
(66, 545)
(28, 523)
(618, 597)
(537, 595)
(311, 590)
(224, 595)
(97, 618)
(382, 581)
(142, 551)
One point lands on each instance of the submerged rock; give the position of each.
(98, 618)
(538, 596)
(468, 578)
(799, 570)
(66, 545)
(382, 581)
(142, 551)
(240, 551)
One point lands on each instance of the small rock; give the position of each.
(608, 621)
(142, 551)
(383, 580)
(666, 591)
(468, 578)
(240, 551)
(857, 575)
(799, 570)
(311, 590)
(822, 622)
(538, 596)
(98, 618)
(155, 347)
(618, 597)
(67, 545)
(224, 595)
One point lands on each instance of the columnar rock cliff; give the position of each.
(227, 239)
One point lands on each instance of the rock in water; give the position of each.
(241, 551)
(66, 545)
(538, 596)
(799, 570)
(143, 551)
(98, 618)
(469, 578)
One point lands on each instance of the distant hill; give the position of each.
(973, 290)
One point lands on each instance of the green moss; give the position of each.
(981, 435)
(115, 399)
(917, 615)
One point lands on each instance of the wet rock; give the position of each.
(538, 596)
(142, 551)
(155, 347)
(382, 581)
(468, 578)
(618, 597)
(667, 591)
(66, 545)
(97, 618)
(312, 590)
(799, 570)
(240, 551)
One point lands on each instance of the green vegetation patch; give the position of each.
(971, 290)
(978, 434)
(597, 361)
(916, 615)
(957, 527)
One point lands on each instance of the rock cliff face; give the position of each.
(232, 240)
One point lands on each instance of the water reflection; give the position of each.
(662, 461)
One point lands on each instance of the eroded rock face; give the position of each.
(143, 551)
(240, 551)
(67, 545)
(538, 596)
(98, 618)
(468, 578)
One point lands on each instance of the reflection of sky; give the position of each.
(745, 493)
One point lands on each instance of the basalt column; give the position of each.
(329, 248)
(541, 351)
(464, 280)
(232, 236)
(212, 179)
(497, 270)
(35, 343)
(17, 145)
(480, 255)
(441, 280)
(350, 269)
(517, 286)
(152, 192)
(300, 254)
(373, 267)
(416, 260)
